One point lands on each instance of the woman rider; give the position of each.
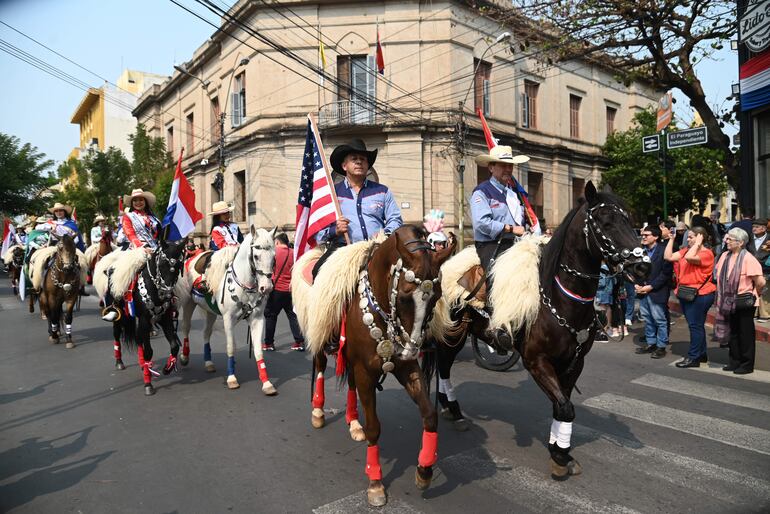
(61, 225)
(140, 225)
(223, 231)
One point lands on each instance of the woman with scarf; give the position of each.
(223, 231)
(140, 225)
(739, 284)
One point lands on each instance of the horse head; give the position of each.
(261, 257)
(66, 255)
(169, 258)
(18, 256)
(610, 236)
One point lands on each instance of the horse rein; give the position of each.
(73, 268)
(246, 307)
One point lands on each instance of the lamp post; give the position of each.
(219, 179)
(461, 142)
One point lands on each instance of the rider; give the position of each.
(139, 224)
(499, 212)
(98, 228)
(62, 224)
(434, 224)
(367, 207)
(223, 231)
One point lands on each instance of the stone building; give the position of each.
(441, 58)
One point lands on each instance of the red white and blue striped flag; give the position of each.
(316, 200)
(181, 214)
(755, 82)
(9, 236)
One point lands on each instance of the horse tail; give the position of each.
(128, 326)
(429, 361)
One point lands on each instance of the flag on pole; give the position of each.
(322, 53)
(9, 239)
(380, 57)
(491, 141)
(74, 214)
(181, 214)
(316, 202)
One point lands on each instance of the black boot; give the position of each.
(83, 291)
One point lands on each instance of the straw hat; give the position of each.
(41, 219)
(354, 146)
(221, 208)
(148, 197)
(99, 218)
(58, 206)
(502, 154)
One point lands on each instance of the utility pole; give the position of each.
(461, 177)
(219, 179)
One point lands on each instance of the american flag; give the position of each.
(315, 203)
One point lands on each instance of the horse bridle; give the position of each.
(253, 294)
(74, 268)
(164, 290)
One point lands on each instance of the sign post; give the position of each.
(665, 175)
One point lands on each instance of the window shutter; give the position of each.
(524, 111)
(371, 85)
(485, 94)
(235, 102)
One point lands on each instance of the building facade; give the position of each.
(443, 61)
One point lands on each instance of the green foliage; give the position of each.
(23, 176)
(637, 177)
(162, 191)
(151, 159)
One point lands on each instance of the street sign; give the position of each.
(754, 25)
(689, 137)
(651, 143)
(665, 112)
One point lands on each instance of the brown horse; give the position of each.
(60, 288)
(15, 262)
(95, 252)
(397, 287)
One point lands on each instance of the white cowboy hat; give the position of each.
(148, 197)
(60, 207)
(221, 208)
(502, 154)
(41, 219)
(99, 218)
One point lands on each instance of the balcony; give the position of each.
(346, 112)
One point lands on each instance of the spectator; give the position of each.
(718, 229)
(280, 297)
(653, 296)
(763, 256)
(604, 298)
(747, 219)
(738, 274)
(679, 238)
(695, 290)
(759, 231)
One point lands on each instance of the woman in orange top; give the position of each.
(696, 265)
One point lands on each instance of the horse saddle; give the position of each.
(198, 271)
(307, 271)
(475, 282)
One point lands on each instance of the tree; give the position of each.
(658, 41)
(23, 176)
(151, 160)
(696, 172)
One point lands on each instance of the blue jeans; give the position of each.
(655, 322)
(630, 299)
(695, 313)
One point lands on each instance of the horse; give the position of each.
(14, 261)
(143, 286)
(375, 297)
(57, 275)
(97, 251)
(543, 296)
(239, 281)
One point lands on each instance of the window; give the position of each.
(535, 191)
(529, 105)
(170, 139)
(578, 188)
(216, 131)
(611, 111)
(190, 126)
(356, 88)
(238, 100)
(239, 191)
(481, 90)
(574, 116)
(482, 173)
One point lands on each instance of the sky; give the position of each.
(107, 36)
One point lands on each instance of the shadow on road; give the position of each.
(12, 397)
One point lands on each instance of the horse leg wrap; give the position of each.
(318, 394)
(186, 347)
(54, 327)
(116, 350)
(429, 452)
(68, 329)
(561, 433)
(445, 386)
(230, 366)
(170, 364)
(262, 370)
(206, 351)
(560, 455)
(351, 411)
(373, 469)
(145, 367)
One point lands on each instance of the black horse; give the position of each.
(554, 347)
(153, 303)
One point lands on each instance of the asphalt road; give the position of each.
(78, 436)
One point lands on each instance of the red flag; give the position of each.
(491, 141)
(8, 236)
(380, 57)
(120, 206)
(317, 201)
(74, 214)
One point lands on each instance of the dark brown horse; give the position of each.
(554, 347)
(104, 248)
(59, 290)
(15, 266)
(385, 320)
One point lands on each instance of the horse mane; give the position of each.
(91, 252)
(8, 255)
(217, 267)
(37, 265)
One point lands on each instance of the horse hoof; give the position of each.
(447, 414)
(356, 431)
(375, 494)
(149, 390)
(317, 419)
(269, 389)
(53, 339)
(184, 361)
(43, 317)
(153, 333)
(70, 345)
(461, 425)
(210, 367)
(119, 365)
(573, 467)
(422, 479)
(232, 382)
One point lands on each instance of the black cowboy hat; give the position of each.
(354, 146)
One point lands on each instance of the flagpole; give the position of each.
(327, 170)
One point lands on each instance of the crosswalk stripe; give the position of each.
(694, 474)
(727, 432)
(357, 502)
(527, 487)
(706, 391)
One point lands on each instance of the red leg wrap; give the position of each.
(262, 370)
(429, 451)
(116, 349)
(145, 367)
(318, 394)
(186, 347)
(373, 469)
(351, 411)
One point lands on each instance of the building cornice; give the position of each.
(91, 97)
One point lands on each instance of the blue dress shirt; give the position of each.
(489, 211)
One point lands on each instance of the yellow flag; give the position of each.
(322, 53)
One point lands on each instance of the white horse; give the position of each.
(240, 293)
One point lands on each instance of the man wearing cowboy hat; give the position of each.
(62, 224)
(367, 207)
(223, 231)
(97, 229)
(140, 225)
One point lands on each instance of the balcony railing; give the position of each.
(347, 112)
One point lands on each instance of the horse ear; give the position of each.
(252, 231)
(590, 193)
(273, 232)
